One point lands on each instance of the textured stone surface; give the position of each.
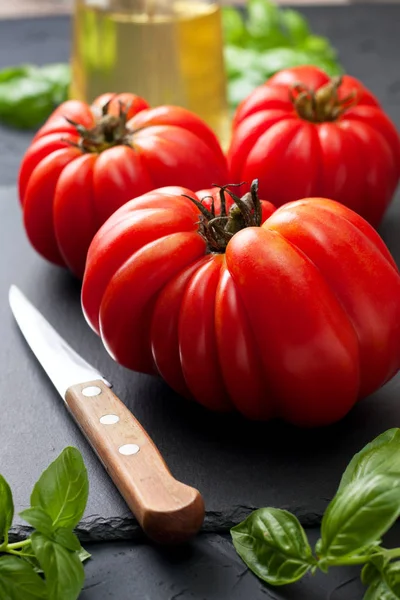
(206, 569)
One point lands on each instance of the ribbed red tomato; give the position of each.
(304, 135)
(86, 161)
(297, 318)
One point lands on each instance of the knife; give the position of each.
(167, 510)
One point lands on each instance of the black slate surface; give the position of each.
(236, 466)
(206, 569)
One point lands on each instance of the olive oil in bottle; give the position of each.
(167, 51)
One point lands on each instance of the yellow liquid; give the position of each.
(174, 59)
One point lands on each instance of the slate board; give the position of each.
(206, 569)
(237, 465)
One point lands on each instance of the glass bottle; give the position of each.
(167, 51)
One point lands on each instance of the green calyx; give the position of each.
(110, 130)
(218, 229)
(323, 104)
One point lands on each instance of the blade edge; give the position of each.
(63, 365)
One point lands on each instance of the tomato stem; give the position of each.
(223, 203)
(323, 104)
(217, 230)
(110, 130)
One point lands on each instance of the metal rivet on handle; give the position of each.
(128, 449)
(109, 419)
(91, 390)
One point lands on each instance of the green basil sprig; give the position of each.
(48, 564)
(29, 94)
(266, 38)
(274, 545)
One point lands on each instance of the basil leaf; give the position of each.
(238, 89)
(18, 580)
(62, 539)
(268, 40)
(273, 545)
(67, 538)
(391, 575)
(383, 577)
(25, 101)
(239, 61)
(27, 554)
(14, 72)
(39, 519)
(296, 25)
(379, 559)
(59, 75)
(29, 94)
(63, 569)
(42, 522)
(382, 455)
(379, 591)
(369, 573)
(62, 489)
(318, 45)
(84, 554)
(233, 26)
(6, 508)
(359, 515)
(263, 25)
(277, 59)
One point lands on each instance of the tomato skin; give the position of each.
(134, 103)
(197, 339)
(118, 175)
(139, 222)
(261, 263)
(164, 336)
(297, 320)
(122, 309)
(75, 110)
(167, 146)
(354, 159)
(239, 358)
(73, 216)
(37, 152)
(40, 192)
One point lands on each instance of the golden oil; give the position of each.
(171, 58)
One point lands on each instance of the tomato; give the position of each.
(87, 161)
(295, 319)
(305, 135)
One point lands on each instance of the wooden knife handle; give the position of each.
(167, 510)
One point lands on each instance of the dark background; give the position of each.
(237, 466)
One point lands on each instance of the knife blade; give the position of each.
(168, 510)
